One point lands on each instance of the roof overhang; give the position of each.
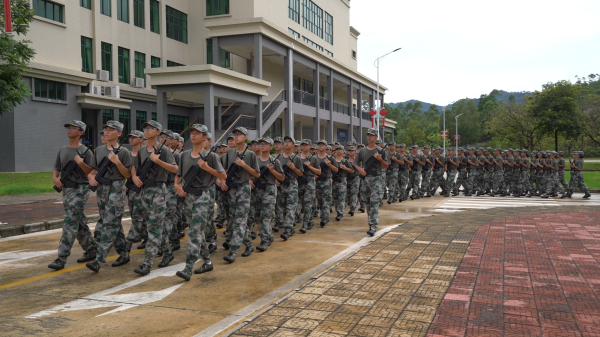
(207, 74)
(59, 74)
(89, 101)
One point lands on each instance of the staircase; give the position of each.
(273, 109)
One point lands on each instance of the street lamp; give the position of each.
(376, 64)
(456, 135)
(444, 137)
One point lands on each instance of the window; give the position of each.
(354, 54)
(106, 55)
(154, 17)
(123, 10)
(307, 86)
(154, 63)
(312, 17)
(177, 124)
(86, 4)
(49, 89)
(107, 115)
(125, 118)
(217, 7)
(140, 118)
(328, 52)
(328, 28)
(174, 64)
(310, 42)
(140, 65)
(294, 10)
(138, 13)
(293, 32)
(86, 55)
(297, 83)
(225, 55)
(124, 72)
(48, 10)
(177, 25)
(154, 117)
(105, 7)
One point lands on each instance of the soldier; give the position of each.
(517, 188)
(138, 229)
(314, 150)
(415, 174)
(472, 165)
(462, 174)
(324, 182)
(199, 199)
(369, 162)
(561, 173)
(110, 196)
(551, 176)
(479, 177)
(452, 167)
(392, 173)
(403, 172)
(427, 171)
(231, 144)
(288, 202)
(533, 169)
(329, 150)
(238, 193)
(75, 193)
(437, 177)
(353, 183)
(339, 184)
(221, 217)
(525, 168)
(361, 200)
(489, 171)
(306, 184)
(170, 235)
(498, 174)
(385, 155)
(509, 164)
(577, 176)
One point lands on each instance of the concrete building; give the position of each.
(277, 67)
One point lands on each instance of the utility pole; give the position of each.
(444, 138)
(377, 115)
(456, 135)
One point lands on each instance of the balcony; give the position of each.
(341, 108)
(303, 97)
(323, 103)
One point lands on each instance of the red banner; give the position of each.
(7, 16)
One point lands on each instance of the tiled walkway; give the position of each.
(532, 273)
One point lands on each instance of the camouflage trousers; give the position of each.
(306, 197)
(324, 195)
(210, 232)
(508, 181)
(198, 208)
(75, 224)
(353, 188)
(462, 180)
(254, 213)
(499, 182)
(109, 231)
(437, 180)
(138, 230)
(361, 198)
(372, 191)
(403, 177)
(525, 182)
(488, 181)
(577, 182)
(480, 181)
(266, 199)
(551, 182)
(221, 213)
(153, 209)
(392, 184)
(383, 182)
(415, 179)
(562, 180)
(426, 182)
(472, 181)
(287, 201)
(171, 234)
(450, 182)
(542, 182)
(339, 195)
(239, 207)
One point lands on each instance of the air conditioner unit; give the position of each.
(138, 82)
(102, 75)
(97, 90)
(112, 91)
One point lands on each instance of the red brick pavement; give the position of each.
(529, 275)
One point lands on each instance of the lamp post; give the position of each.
(456, 135)
(444, 138)
(377, 115)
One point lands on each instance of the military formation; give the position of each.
(263, 187)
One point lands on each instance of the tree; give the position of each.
(513, 123)
(588, 104)
(15, 55)
(556, 110)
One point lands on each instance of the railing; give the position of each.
(248, 122)
(308, 99)
(323, 103)
(354, 112)
(366, 116)
(273, 105)
(341, 108)
(297, 96)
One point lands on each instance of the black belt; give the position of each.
(151, 183)
(74, 185)
(323, 178)
(235, 186)
(197, 191)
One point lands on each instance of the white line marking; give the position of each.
(19, 255)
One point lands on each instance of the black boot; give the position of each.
(206, 267)
(87, 256)
(351, 213)
(142, 270)
(263, 246)
(323, 223)
(372, 230)
(121, 261)
(212, 247)
(276, 228)
(143, 244)
(58, 264)
(226, 244)
(339, 216)
(248, 251)
(230, 257)
(93, 266)
(184, 274)
(165, 261)
(587, 195)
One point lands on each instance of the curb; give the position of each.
(6, 231)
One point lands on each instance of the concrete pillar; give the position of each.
(219, 116)
(249, 67)
(316, 120)
(351, 111)
(259, 116)
(289, 87)
(162, 110)
(258, 59)
(209, 108)
(329, 133)
(216, 51)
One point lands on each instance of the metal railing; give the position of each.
(248, 122)
(308, 99)
(297, 96)
(366, 116)
(341, 108)
(273, 105)
(323, 103)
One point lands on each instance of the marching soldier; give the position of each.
(403, 172)
(462, 174)
(353, 180)
(324, 182)
(306, 184)
(577, 176)
(452, 167)
(473, 163)
(489, 171)
(392, 173)
(138, 229)
(437, 179)
(415, 175)
(499, 187)
(288, 202)
(339, 181)
(427, 171)
(561, 173)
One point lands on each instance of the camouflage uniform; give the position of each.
(138, 230)
(111, 205)
(462, 179)
(353, 189)
(392, 175)
(267, 199)
(75, 223)
(577, 178)
(372, 191)
(307, 192)
(451, 175)
(561, 174)
(499, 186)
(403, 176)
(197, 208)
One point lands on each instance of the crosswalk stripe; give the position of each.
(461, 203)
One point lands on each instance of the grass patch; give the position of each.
(587, 166)
(25, 183)
(591, 179)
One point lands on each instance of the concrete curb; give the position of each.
(6, 231)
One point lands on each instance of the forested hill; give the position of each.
(502, 96)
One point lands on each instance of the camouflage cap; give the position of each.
(402, 145)
(136, 133)
(101, 133)
(290, 138)
(517, 151)
(450, 149)
(222, 144)
(392, 144)
(372, 131)
(209, 136)
(322, 141)
(328, 147)
(561, 153)
(76, 123)
(498, 149)
(471, 149)
(488, 149)
(360, 145)
(199, 127)
(460, 149)
(480, 149)
(534, 152)
(153, 124)
(230, 136)
(114, 125)
(338, 147)
(241, 129)
(426, 147)
(168, 133)
(378, 141)
(297, 143)
(278, 140)
(510, 150)
(267, 140)
(306, 141)
(253, 141)
(314, 147)
(525, 151)
(175, 136)
(351, 148)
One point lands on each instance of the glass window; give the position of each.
(49, 89)
(123, 10)
(107, 115)
(140, 65)
(225, 55)
(209, 56)
(106, 55)
(354, 54)
(293, 32)
(125, 118)
(140, 118)
(154, 16)
(177, 25)
(87, 65)
(105, 7)
(177, 124)
(328, 52)
(154, 63)
(312, 17)
(294, 10)
(307, 86)
(48, 10)
(174, 64)
(310, 42)
(154, 117)
(138, 13)
(124, 73)
(328, 28)
(217, 7)
(86, 4)
(297, 83)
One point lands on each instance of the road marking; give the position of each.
(19, 255)
(103, 299)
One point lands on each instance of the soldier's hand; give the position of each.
(240, 162)
(307, 163)
(361, 171)
(277, 183)
(78, 160)
(137, 181)
(57, 182)
(179, 190)
(92, 180)
(342, 166)
(203, 165)
(252, 184)
(327, 161)
(154, 157)
(377, 155)
(271, 167)
(114, 158)
(290, 164)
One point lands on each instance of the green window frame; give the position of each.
(125, 118)
(106, 55)
(154, 16)
(123, 10)
(294, 10)
(154, 63)
(87, 56)
(140, 65)
(140, 118)
(49, 89)
(328, 28)
(177, 124)
(139, 19)
(154, 116)
(107, 115)
(124, 70)
(105, 7)
(49, 10)
(225, 55)
(177, 25)
(174, 64)
(312, 17)
(86, 4)
(217, 7)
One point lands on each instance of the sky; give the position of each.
(454, 49)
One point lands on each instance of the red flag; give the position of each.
(372, 123)
(7, 16)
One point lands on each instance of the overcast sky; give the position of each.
(457, 49)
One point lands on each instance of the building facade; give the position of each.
(274, 66)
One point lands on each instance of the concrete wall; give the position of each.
(7, 142)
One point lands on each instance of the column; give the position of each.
(161, 108)
(359, 112)
(258, 56)
(216, 52)
(351, 111)
(259, 116)
(219, 116)
(317, 119)
(329, 133)
(288, 61)
(209, 108)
